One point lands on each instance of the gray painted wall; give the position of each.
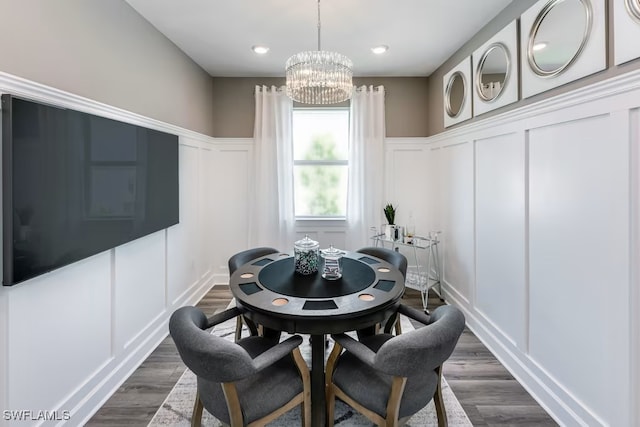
(104, 50)
(511, 12)
(405, 98)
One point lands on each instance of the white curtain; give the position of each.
(271, 219)
(366, 165)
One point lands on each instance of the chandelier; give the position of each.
(319, 77)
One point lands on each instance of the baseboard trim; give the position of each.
(561, 405)
(114, 374)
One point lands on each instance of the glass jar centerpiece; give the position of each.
(332, 263)
(305, 254)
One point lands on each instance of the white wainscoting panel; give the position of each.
(207, 203)
(407, 177)
(409, 187)
(182, 255)
(551, 285)
(69, 338)
(229, 211)
(500, 234)
(59, 334)
(139, 287)
(579, 257)
(634, 291)
(457, 219)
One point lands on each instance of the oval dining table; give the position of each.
(270, 293)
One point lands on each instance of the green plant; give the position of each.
(390, 213)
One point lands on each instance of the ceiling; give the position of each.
(218, 34)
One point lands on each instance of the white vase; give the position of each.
(394, 232)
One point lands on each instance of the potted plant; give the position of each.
(392, 231)
(390, 214)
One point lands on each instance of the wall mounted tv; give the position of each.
(75, 184)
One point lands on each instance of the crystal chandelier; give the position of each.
(319, 77)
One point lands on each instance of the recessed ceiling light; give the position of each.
(539, 46)
(379, 50)
(260, 50)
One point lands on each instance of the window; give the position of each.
(320, 162)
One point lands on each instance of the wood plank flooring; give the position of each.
(487, 391)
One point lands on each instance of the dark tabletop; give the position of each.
(276, 296)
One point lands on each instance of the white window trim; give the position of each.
(336, 219)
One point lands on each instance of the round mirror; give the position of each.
(455, 94)
(492, 72)
(558, 35)
(633, 7)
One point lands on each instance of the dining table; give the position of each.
(272, 294)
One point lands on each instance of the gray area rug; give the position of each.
(177, 407)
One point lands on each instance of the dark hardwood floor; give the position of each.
(487, 391)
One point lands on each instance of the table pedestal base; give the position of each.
(318, 413)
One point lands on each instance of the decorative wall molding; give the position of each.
(595, 129)
(39, 92)
(122, 341)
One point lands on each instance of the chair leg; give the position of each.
(238, 328)
(441, 412)
(330, 393)
(331, 404)
(196, 416)
(306, 386)
(398, 327)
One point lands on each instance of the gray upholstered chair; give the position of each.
(251, 382)
(399, 261)
(235, 262)
(394, 258)
(389, 378)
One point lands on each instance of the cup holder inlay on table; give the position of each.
(385, 285)
(247, 275)
(280, 301)
(384, 270)
(366, 297)
(250, 288)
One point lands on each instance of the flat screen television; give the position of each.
(76, 184)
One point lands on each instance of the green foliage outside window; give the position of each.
(320, 185)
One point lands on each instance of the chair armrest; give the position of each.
(414, 314)
(223, 316)
(355, 347)
(276, 352)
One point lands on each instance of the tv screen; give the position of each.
(75, 184)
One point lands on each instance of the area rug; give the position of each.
(177, 407)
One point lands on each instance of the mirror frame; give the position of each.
(447, 96)
(633, 8)
(466, 108)
(478, 73)
(626, 30)
(586, 4)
